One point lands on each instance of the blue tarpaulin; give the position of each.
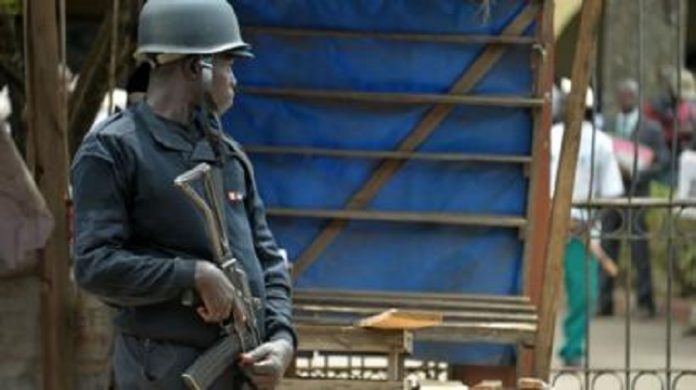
(381, 255)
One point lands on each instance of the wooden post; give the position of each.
(560, 209)
(93, 83)
(538, 206)
(46, 120)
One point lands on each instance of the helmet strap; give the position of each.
(212, 133)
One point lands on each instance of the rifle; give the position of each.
(241, 335)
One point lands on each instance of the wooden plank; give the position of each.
(417, 136)
(407, 217)
(538, 202)
(560, 211)
(450, 331)
(538, 195)
(475, 314)
(635, 203)
(46, 118)
(492, 332)
(434, 384)
(474, 311)
(414, 304)
(390, 36)
(355, 295)
(374, 154)
(352, 339)
(92, 85)
(339, 384)
(401, 319)
(394, 97)
(472, 374)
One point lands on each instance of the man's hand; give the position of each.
(267, 363)
(216, 292)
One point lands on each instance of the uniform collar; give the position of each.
(175, 139)
(163, 133)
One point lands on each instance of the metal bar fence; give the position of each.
(631, 210)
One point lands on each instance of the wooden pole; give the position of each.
(95, 75)
(560, 208)
(47, 122)
(538, 204)
(396, 97)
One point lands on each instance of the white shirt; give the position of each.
(626, 123)
(607, 181)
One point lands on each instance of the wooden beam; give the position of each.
(375, 154)
(417, 136)
(474, 374)
(390, 36)
(498, 332)
(339, 384)
(93, 83)
(404, 217)
(46, 121)
(560, 211)
(353, 339)
(620, 203)
(391, 319)
(478, 314)
(479, 331)
(538, 198)
(394, 97)
(303, 298)
(357, 296)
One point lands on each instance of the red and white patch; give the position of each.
(235, 196)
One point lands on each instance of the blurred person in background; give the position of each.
(597, 175)
(675, 109)
(638, 137)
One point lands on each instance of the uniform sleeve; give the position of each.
(103, 263)
(276, 273)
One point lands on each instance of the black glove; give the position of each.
(266, 364)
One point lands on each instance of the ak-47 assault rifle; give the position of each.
(241, 334)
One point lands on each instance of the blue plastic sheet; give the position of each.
(389, 256)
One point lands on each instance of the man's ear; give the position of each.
(192, 67)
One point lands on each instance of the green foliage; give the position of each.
(683, 246)
(12, 7)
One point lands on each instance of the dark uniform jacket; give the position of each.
(136, 234)
(648, 134)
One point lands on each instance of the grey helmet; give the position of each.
(189, 27)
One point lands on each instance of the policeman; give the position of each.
(139, 244)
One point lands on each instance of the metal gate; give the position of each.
(669, 231)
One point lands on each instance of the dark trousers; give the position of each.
(616, 222)
(145, 364)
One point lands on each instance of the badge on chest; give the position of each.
(235, 196)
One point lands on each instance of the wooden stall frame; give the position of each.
(538, 211)
(416, 137)
(47, 124)
(561, 203)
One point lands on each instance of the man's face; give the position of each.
(224, 82)
(626, 99)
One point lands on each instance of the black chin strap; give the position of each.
(209, 109)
